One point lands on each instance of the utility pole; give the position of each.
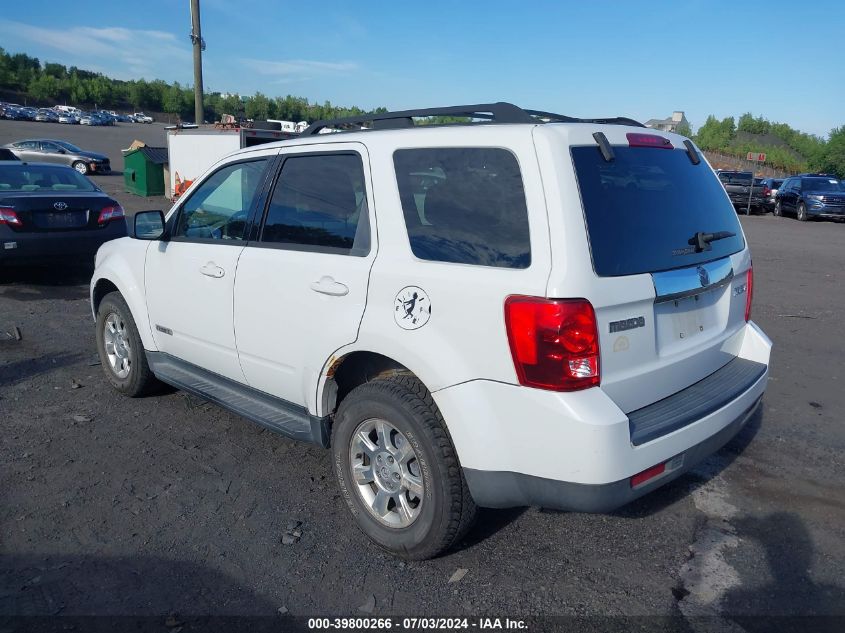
(199, 47)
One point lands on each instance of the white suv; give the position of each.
(526, 309)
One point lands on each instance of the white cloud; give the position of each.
(115, 51)
(296, 69)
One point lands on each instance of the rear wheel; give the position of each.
(802, 212)
(121, 351)
(81, 167)
(397, 468)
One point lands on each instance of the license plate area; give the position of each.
(61, 219)
(687, 321)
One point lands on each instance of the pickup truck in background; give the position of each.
(737, 185)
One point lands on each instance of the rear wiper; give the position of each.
(701, 241)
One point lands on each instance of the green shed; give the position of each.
(143, 171)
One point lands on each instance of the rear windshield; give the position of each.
(735, 178)
(42, 178)
(643, 208)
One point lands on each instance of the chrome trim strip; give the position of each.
(687, 282)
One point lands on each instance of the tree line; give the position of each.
(800, 151)
(50, 83)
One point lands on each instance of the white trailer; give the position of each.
(193, 151)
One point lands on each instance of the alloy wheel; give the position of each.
(117, 345)
(387, 474)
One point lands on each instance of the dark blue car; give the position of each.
(811, 196)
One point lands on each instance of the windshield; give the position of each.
(822, 184)
(68, 146)
(643, 208)
(42, 178)
(735, 178)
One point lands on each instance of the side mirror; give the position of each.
(60, 151)
(148, 225)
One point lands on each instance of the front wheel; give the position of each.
(81, 167)
(802, 212)
(398, 470)
(121, 351)
(778, 212)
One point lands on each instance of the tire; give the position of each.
(801, 212)
(123, 359)
(435, 517)
(81, 167)
(777, 211)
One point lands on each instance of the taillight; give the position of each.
(766, 192)
(110, 213)
(9, 217)
(648, 140)
(749, 291)
(554, 342)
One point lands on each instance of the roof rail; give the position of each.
(500, 112)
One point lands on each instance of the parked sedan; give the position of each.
(62, 152)
(811, 196)
(51, 211)
(68, 117)
(46, 116)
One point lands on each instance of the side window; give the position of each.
(219, 208)
(49, 147)
(320, 204)
(27, 145)
(464, 205)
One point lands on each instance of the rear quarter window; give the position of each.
(464, 205)
(643, 208)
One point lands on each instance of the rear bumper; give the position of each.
(507, 489)
(574, 451)
(32, 248)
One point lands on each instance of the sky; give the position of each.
(641, 59)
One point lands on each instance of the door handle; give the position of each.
(328, 286)
(212, 270)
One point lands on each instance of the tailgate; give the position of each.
(669, 264)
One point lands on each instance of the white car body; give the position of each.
(260, 320)
(140, 117)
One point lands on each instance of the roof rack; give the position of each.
(500, 112)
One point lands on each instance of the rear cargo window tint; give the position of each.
(643, 208)
(464, 205)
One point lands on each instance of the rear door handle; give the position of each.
(212, 270)
(328, 286)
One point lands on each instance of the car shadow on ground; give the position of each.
(49, 281)
(788, 599)
(19, 370)
(135, 593)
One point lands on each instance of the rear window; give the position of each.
(42, 178)
(464, 205)
(643, 208)
(735, 178)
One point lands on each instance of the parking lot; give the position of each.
(168, 504)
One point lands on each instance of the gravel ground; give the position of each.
(111, 506)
